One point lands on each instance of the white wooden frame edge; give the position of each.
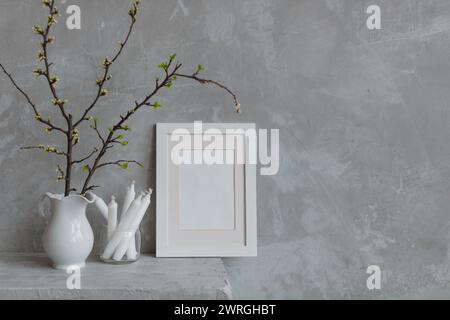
(250, 249)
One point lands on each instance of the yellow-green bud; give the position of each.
(40, 55)
(54, 80)
(38, 72)
(51, 20)
(38, 30)
(107, 62)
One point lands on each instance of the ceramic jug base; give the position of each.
(67, 266)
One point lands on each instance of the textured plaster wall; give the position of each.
(364, 119)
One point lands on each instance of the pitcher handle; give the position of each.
(41, 205)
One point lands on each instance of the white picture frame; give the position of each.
(204, 210)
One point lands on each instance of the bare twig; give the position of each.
(119, 125)
(119, 163)
(208, 81)
(60, 170)
(170, 74)
(33, 106)
(99, 135)
(53, 12)
(86, 157)
(95, 128)
(107, 64)
(43, 55)
(61, 173)
(48, 149)
(90, 188)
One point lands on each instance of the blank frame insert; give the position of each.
(208, 186)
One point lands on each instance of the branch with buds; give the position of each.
(48, 149)
(171, 71)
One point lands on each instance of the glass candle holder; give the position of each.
(122, 247)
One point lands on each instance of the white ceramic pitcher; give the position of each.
(68, 239)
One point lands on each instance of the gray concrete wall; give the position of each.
(364, 115)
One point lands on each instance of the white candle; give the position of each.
(121, 240)
(122, 227)
(123, 245)
(101, 205)
(139, 215)
(131, 251)
(129, 197)
(112, 216)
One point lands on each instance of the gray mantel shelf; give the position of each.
(29, 276)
